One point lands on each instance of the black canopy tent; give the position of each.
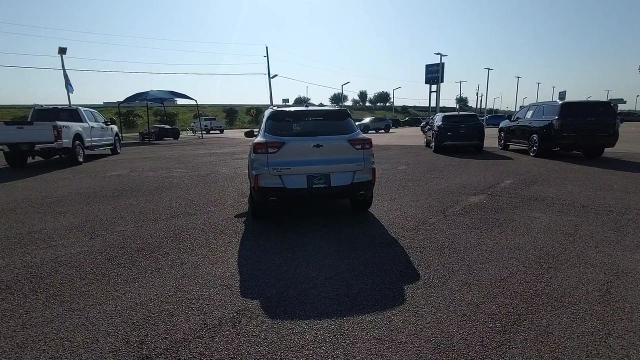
(157, 97)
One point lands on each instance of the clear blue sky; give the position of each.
(582, 46)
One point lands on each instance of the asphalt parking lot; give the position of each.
(150, 254)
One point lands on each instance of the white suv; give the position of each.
(310, 151)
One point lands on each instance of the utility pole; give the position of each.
(481, 95)
(607, 93)
(269, 75)
(515, 107)
(494, 104)
(553, 92)
(477, 93)
(342, 93)
(538, 91)
(439, 81)
(486, 93)
(460, 93)
(62, 51)
(393, 105)
(636, 107)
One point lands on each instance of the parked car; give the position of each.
(454, 129)
(374, 123)
(585, 126)
(411, 121)
(159, 132)
(208, 124)
(629, 116)
(68, 131)
(395, 122)
(309, 151)
(494, 120)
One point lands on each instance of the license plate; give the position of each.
(318, 181)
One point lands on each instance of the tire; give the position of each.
(434, 145)
(593, 153)
(207, 131)
(222, 131)
(377, 131)
(16, 159)
(76, 157)
(257, 208)
(502, 141)
(359, 205)
(366, 129)
(535, 146)
(176, 137)
(387, 128)
(117, 146)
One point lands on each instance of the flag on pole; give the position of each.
(67, 82)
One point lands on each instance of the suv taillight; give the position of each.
(267, 147)
(361, 144)
(57, 133)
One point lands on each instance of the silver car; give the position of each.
(307, 151)
(374, 123)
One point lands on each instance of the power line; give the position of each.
(314, 84)
(128, 61)
(124, 45)
(127, 36)
(131, 72)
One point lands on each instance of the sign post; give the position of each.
(434, 75)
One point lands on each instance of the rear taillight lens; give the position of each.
(267, 147)
(361, 144)
(57, 133)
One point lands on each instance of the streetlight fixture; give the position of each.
(273, 76)
(523, 99)
(607, 90)
(588, 97)
(342, 93)
(515, 106)
(439, 81)
(393, 100)
(486, 93)
(538, 90)
(460, 94)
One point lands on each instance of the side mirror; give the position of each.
(250, 134)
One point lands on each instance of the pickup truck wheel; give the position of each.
(387, 128)
(77, 153)
(117, 146)
(16, 159)
(221, 131)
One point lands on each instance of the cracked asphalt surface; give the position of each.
(150, 254)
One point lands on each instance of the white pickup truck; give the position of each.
(65, 131)
(208, 124)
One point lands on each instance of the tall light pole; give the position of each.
(515, 107)
(538, 90)
(460, 93)
(636, 107)
(439, 81)
(393, 100)
(494, 104)
(486, 93)
(523, 99)
(607, 90)
(553, 92)
(342, 93)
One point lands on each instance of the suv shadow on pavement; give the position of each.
(320, 261)
(467, 153)
(606, 162)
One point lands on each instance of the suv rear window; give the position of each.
(460, 119)
(304, 123)
(588, 109)
(55, 114)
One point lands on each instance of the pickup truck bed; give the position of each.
(16, 132)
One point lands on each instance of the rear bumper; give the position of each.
(362, 189)
(582, 141)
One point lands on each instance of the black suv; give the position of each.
(454, 129)
(586, 126)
